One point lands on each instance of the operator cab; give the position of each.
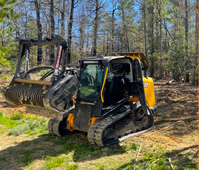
(107, 79)
(117, 85)
(105, 84)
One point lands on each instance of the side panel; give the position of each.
(84, 112)
(149, 91)
(82, 116)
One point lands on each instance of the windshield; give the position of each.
(90, 81)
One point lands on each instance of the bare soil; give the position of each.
(176, 129)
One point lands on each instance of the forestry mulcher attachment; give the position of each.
(53, 90)
(114, 101)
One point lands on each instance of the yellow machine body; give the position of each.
(149, 91)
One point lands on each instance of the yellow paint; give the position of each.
(135, 56)
(103, 85)
(149, 91)
(69, 123)
(92, 120)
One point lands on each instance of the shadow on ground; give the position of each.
(19, 156)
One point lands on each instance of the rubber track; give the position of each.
(95, 132)
(53, 126)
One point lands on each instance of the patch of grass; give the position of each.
(53, 162)
(185, 163)
(26, 157)
(5, 77)
(59, 141)
(18, 123)
(17, 130)
(2, 159)
(31, 126)
(134, 146)
(100, 167)
(17, 116)
(158, 159)
(72, 167)
(6, 121)
(83, 150)
(37, 126)
(116, 149)
(2, 131)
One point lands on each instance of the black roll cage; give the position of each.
(27, 44)
(105, 61)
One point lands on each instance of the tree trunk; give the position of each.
(186, 28)
(145, 39)
(52, 30)
(81, 41)
(70, 26)
(152, 38)
(125, 33)
(166, 43)
(186, 76)
(39, 32)
(63, 19)
(95, 28)
(107, 44)
(160, 73)
(196, 46)
(82, 30)
(113, 29)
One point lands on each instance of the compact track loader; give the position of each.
(114, 100)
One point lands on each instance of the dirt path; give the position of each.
(177, 115)
(176, 127)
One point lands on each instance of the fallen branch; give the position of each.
(166, 127)
(174, 100)
(194, 117)
(170, 164)
(137, 154)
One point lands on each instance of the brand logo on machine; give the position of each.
(145, 84)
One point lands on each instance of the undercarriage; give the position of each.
(110, 129)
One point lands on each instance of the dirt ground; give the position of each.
(176, 123)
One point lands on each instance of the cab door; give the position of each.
(137, 88)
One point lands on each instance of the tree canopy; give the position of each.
(165, 30)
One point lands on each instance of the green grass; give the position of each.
(158, 158)
(59, 161)
(18, 124)
(2, 159)
(17, 116)
(53, 162)
(25, 157)
(72, 166)
(83, 150)
(100, 167)
(134, 146)
(74, 152)
(5, 77)
(6, 121)
(31, 126)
